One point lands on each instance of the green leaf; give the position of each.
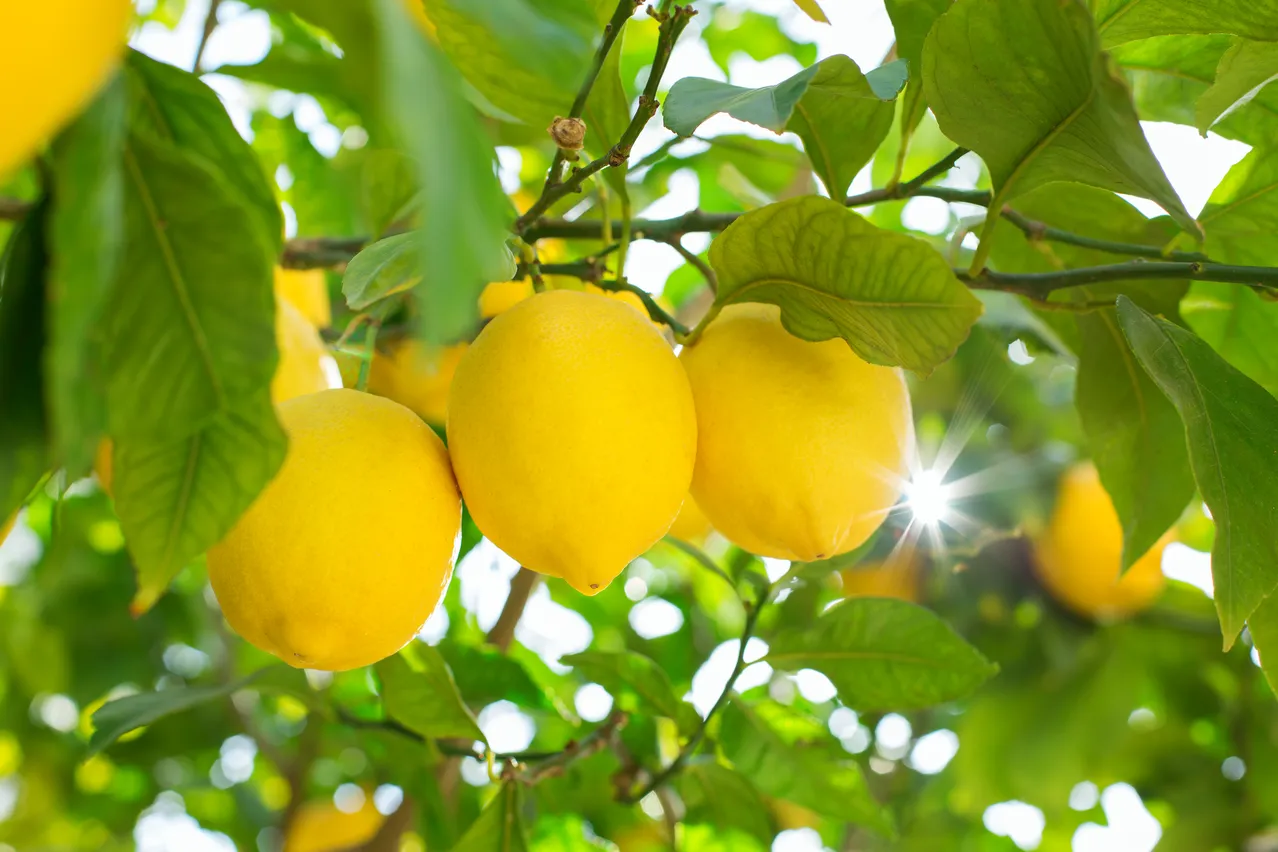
(484, 676)
(607, 113)
(1023, 84)
(716, 795)
(177, 106)
(191, 323)
(1241, 216)
(463, 209)
(419, 693)
(1135, 435)
(1240, 325)
(24, 455)
(884, 654)
(840, 114)
(177, 498)
(891, 297)
(812, 778)
(500, 827)
(911, 21)
(387, 189)
(628, 672)
(1263, 626)
(813, 10)
(381, 269)
(1232, 429)
(1245, 69)
(85, 239)
(1127, 20)
(116, 718)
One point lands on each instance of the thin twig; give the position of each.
(655, 311)
(1035, 231)
(904, 190)
(521, 588)
(1040, 284)
(696, 262)
(594, 742)
(752, 620)
(451, 749)
(210, 24)
(702, 559)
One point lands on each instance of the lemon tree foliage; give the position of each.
(929, 480)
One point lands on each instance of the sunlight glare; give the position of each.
(928, 497)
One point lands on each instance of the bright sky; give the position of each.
(861, 30)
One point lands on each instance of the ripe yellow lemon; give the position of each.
(320, 827)
(801, 447)
(306, 290)
(302, 355)
(53, 57)
(344, 555)
(894, 578)
(500, 296)
(1080, 554)
(417, 375)
(692, 525)
(573, 435)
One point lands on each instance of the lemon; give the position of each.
(691, 525)
(302, 355)
(573, 435)
(500, 296)
(306, 290)
(417, 375)
(53, 57)
(344, 555)
(895, 578)
(802, 447)
(320, 827)
(1080, 553)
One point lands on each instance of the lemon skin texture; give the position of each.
(417, 375)
(500, 296)
(302, 354)
(802, 447)
(306, 290)
(573, 435)
(346, 552)
(54, 55)
(1080, 553)
(320, 827)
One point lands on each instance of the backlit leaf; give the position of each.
(1128, 20)
(1245, 69)
(420, 694)
(630, 672)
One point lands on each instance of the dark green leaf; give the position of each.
(24, 455)
(718, 796)
(191, 326)
(1243, 71)
(890, 296)
(884, 654)
(628, 672)
(484, 676)
(116, 718)
(176, 105)
(85, 239)
(1135, 436)
(500, 827)
(807, 777)
(1232, 430)
(463, 208)
(1023, 84)
(419, 693)
(381, 269)
(1128, 20)
(178, 497)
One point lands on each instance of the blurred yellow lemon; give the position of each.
(302, 355)
(54, 55)
(801, 447)
(500, 296)
(306, 290)
(895, 578)
(691, 525)
(343, 557)
(320, 827)
(1080, 554)
(646, 836)
(573, 435)
(417, 375)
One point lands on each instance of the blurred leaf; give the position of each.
(813, 10)
(1263, 626)
(387, 188)
(176, 498)
(1232, 430)
(911, 21)
(500, 827)
(1135, 435)
(890, 296)
(607, 112)
(628, 672)
(884, 654)
(1241, 216)
(840, 114)
(463, 208)
(718, 796)
(85, 242)
(1243, 71)
(1239, 325)
(736, 31)
(1023, 84)
(24, 455)
(1128, 20)
(174, 104)
(806, 777)
(381, 269)
(485, 676)
(419, 693)
(116, 718)
(1008, 312)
